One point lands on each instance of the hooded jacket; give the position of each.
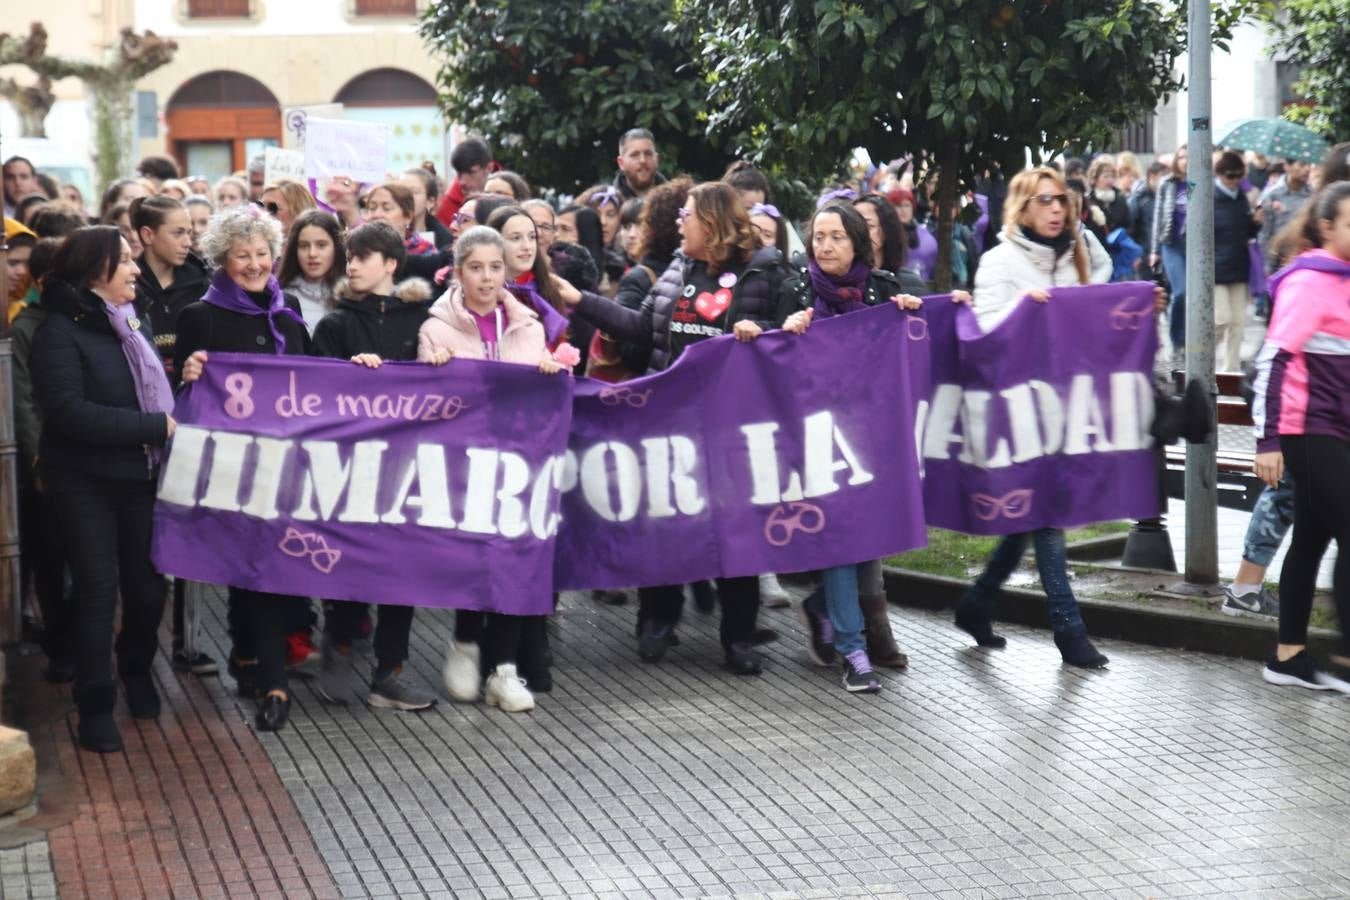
(91, 420)
(754, 299)
(384, 325)
(449, 326)
(162, 305)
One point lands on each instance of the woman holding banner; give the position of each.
(841, 278)
(245, 311)
(1042, 247)
(106, 406)
(724, 283)
(478, 318)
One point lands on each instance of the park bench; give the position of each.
(1238, 486)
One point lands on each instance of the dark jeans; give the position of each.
(520, 640)
(106, 524)
(42, 561)
(1051, 562)
(1318, 465)
(343, 624)
(740, 607)
(258, 626)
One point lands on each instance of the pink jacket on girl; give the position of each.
(451, 327)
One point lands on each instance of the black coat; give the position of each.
(385, 326)
(797, 295)
(162, 305)
(91, 420)
(1233, 228)
(633, 289)
(202, 326)
(755, 299)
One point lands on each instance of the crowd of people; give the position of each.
(114, 311)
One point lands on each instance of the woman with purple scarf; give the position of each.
(245, 311)
(106, 406)
(847, 617)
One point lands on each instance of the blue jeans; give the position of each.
(1051, 562)
(1174, 265)
(838, 593)
(1271, 519)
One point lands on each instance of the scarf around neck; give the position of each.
(526, 291)
(153, 393)
(226, 293)
(1059, 243)
(839, 294)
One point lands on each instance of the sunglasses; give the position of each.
(1051, 199)
(272, 208)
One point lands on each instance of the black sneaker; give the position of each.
(198, 663)
(858, 675)
(653, 639)
(1300, 670)
(1260, 604)
(819, 635)
(1335, 676)
(743, 660)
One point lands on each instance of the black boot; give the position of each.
(142, 698)
(97, 731)
(273, 711)
(1077, 650)
(976, 623)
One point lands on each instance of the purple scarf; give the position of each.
(226, 293)
(836, 295)
(555, 323)
(1312, 261)
(153, 393)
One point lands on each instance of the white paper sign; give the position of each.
(279, 163)
(359, 150)
(293, 136)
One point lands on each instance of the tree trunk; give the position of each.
(949, 158)
(112, 130)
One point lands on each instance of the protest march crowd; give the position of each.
(114, 315)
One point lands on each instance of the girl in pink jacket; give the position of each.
(1302, 415)
(479, 319)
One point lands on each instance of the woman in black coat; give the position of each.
(245, 311)
(106, 405)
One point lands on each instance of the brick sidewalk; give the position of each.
(977, 773)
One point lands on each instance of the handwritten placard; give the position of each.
(359, 150)
(279, 163)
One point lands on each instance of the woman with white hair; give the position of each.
(245, 311)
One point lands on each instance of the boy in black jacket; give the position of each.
(373, 321)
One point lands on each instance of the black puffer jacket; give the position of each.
(162, 305)
(797, 294)
(202, 326)
(91, 420)
(385, 326)
(754, 299)
(633, 289)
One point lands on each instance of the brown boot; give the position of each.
(877, 626)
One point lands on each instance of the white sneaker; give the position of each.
(506, 689)
(771, 593)
(462, 681)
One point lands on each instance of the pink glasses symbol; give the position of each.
(615, 396)
(1012, 505)
(1125, 319)
(918, 328)
(312, 545)
(785, 520)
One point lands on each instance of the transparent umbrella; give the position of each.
(1275, 137)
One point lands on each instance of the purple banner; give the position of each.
(1045, 420)
(488, 486)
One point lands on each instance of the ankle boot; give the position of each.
(881, 647)
(977, 623)
(1077, 650)
(97, 731)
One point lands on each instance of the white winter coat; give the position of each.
(1018, 265)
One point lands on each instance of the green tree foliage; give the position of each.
(969, 84)
(1313, 33)
(554, 85)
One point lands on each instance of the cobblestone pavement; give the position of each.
(976, 773)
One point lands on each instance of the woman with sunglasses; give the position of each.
(1041, 248)
(722, 282)
(284, 199)
(1235, 224)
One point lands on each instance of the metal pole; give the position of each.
(1202, 507)
(11, 585)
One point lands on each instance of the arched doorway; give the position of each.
(408, 105)
(218, 121)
